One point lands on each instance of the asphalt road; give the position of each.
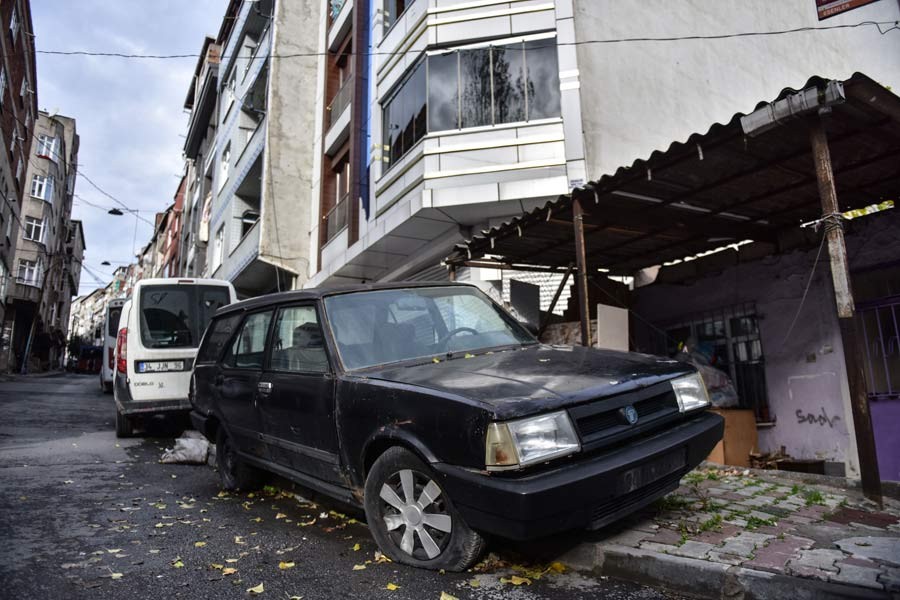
(83, 515)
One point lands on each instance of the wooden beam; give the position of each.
(584, 310)
(562, 285)
(840, 277)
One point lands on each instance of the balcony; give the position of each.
(336, 219)
(337, 117)
(340, 18)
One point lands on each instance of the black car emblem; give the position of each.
(630, 414)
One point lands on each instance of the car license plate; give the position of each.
(161, 366)
(649, 472)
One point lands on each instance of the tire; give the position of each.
(398, 522)
(234, 474)
(107, 387)
(124, 425)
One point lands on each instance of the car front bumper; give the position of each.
(584, 494)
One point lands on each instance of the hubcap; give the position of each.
(416, 517)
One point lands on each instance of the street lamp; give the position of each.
(116, 212)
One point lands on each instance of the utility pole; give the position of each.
(843, 294)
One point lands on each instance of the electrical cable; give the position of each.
(890, 26)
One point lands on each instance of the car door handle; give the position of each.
(264, 387)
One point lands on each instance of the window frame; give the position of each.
(235, 338)
(36, 224)
(267, 364)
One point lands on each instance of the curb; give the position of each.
(704, 579)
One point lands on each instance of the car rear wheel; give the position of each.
(413, 520)
(107, 387)
(234, 473)
(124, 425)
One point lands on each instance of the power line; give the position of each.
(888, 26)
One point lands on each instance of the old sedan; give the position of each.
(433, 409)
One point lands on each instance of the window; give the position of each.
(2, 84)
(22, 90)
(219, 247)
(404, 116)
(47, 147)
(392, 11)
(4, 281)
(29, 272)
(219, 334)
(336, 218)
(18, 170)
(14, 23)
(34, 229)
(9, 224)
(42, 187)
(248, 220)
(473, 87)
(175, 316)
(249, 346)
(224, 166)
(298, 345)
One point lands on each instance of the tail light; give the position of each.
(122, 350)
(111, 358)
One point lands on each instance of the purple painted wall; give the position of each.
(805, 374)
(886, 419)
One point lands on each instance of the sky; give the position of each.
(129, 113)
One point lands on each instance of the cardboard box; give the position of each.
(739, 440)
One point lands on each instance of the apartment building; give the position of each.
(18, 110)
(49, 248)
(258, 163)
(439, 118)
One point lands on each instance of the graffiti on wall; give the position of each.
(822, 419)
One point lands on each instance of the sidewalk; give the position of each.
(739, 534)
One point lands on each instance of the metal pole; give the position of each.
(452, 274)
(584, 310)
(840, 276)
(562, 284)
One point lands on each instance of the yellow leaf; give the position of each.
(199, 544)
(474, 583)
(381, 558)
(257, 590)
(217, 566)
(231, 560)
(280, 516)
(446, 596)
(359, 567)
(285, 565)
(435, 360)
(558, 567)
(516, 580)
(228, 571)
(296, 598)
(177, 563)
(469, 355)
(239, 540)
(114, 550)
(257, 520)
(392, 587)
(307, 523)
(356, 547)
(115, 576)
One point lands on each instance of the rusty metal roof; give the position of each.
(713, 189)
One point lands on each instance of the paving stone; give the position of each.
(890, 578)
(874, 519)
(759, 501)
(859, 562)
(885, 549)
(717, 490)
(744, 544)
(692, 549)
(782, 490)
(813, 512)
(804, 571)
(762, 515)
(749, 490)
(629, 537)
(661, 548)
(665, 536)
(799, 520)
(717, 536)
(733, 496)
(858, 576)
(819, 558)
(737, 521)
(771, 561)
(724, 557)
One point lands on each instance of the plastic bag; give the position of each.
(191, 448)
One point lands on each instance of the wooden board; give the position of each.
(740, 438)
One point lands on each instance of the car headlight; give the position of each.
(690, 391)
(527, 441)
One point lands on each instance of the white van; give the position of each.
(159, 332)
(110, 331)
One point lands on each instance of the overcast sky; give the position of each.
(129, 112)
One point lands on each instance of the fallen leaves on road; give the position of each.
(280, 516)
(359, 567)
(217, 566)
(68, 481)
(259, 589)
(115, 576)
(285, 565)
(239, 540)
(381, 558)
(114, 550)
(229, 571)
(231, 560)
(177, 563)
(474, 583)
(199, 544)
(516, 580)
(392, 586)
(356, 547)
(446, 596)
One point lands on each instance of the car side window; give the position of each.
(220, 331)
(297, 343)
(248, 348)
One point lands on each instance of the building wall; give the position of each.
(638, 97)
(805, 372)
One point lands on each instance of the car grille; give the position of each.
(602, 423)
(605, 512)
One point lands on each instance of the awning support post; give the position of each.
(584, 310)
(840, 276)
(451, 274)
(562, 285)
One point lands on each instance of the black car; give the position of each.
(433, 409)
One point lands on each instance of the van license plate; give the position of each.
(160, 366)
(646, 473)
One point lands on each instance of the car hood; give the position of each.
(535, 379)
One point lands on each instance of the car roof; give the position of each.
(317, 293)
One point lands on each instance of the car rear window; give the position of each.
(175, 316)
(112, 321)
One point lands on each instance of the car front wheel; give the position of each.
(413, 520)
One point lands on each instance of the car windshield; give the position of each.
(112, 321)
(175, 316)
(385, 326)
